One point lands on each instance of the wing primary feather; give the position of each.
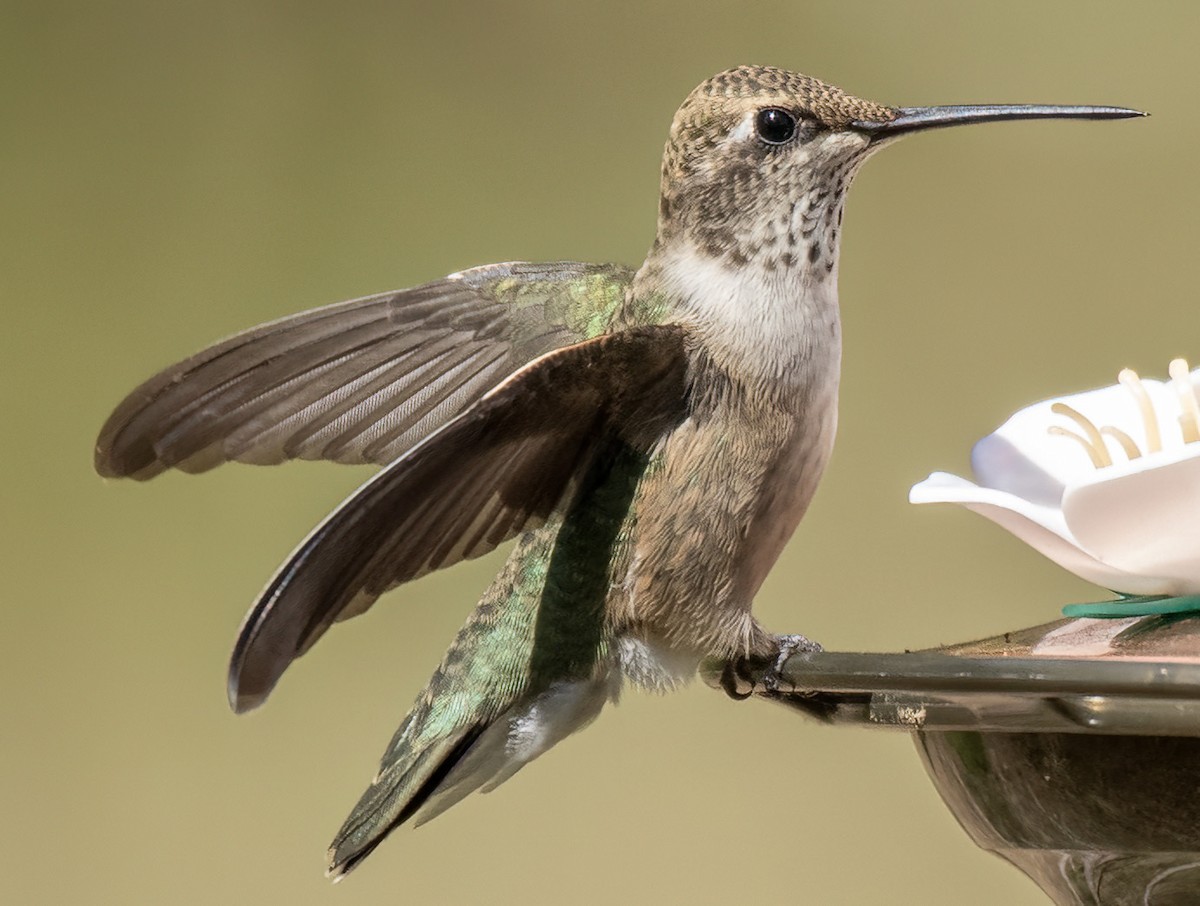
(124, 446)
(346, 437)
(517, 452)
(245, 433)
(269, 439)
(251, 396)
(436, 396)
(458, 535)
(378, 394)
(209, 417)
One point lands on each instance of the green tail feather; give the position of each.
(394, 797)
(535, 645)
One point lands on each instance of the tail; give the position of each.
(532, 665)
(489, 709)
(421, 783)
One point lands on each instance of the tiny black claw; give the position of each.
(732, 681)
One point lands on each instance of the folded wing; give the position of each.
(501, 466)
(357, 382)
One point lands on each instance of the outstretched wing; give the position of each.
(502, 466)
(361, 381)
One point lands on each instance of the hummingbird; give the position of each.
(650, 437)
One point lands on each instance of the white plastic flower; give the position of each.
(1104, 483)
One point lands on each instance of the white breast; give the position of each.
(775, 327)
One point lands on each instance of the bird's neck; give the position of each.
(768, 319)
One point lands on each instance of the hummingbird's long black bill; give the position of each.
(915, 119)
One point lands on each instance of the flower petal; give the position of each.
(1022, 457)
(1041, 527)
(1002, 461)
(942, 487)
(1143, 517)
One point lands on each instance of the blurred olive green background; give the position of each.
(173, 172)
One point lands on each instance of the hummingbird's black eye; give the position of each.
(775, 126)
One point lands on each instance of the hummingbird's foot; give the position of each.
(788, 645)
(740, 677)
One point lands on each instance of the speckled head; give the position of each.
(756, 164)
(759, 160)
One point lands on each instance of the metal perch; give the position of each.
(1072, 749)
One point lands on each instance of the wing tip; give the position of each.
(109, 466)
(105, 467)
(244, 693)
(241, 703)
(248, 682)
(104, 458)
(113, 459)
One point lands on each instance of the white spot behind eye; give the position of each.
(744, 129)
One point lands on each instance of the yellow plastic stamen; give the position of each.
(1095, 443)
(1127, 443)
(1093, 454)
(1189, 416)
(1131, 382)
